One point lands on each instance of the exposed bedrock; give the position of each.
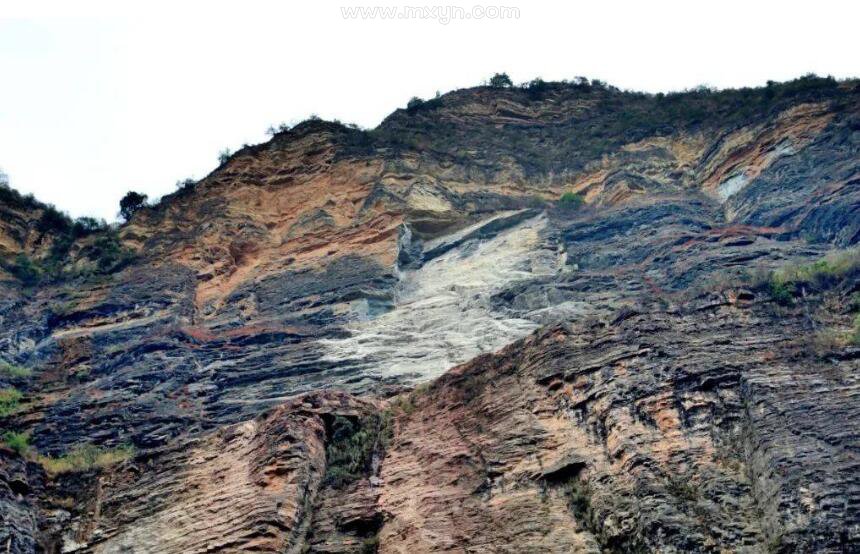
(506, 320)
(693, 430)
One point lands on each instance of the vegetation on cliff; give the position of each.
(85, 457)
(10, 401)
(352, 446)
(785, 283)
(13, 370)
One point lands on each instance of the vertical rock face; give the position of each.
(19, 515)
(248, 487)
(650, 433)
(599, 372)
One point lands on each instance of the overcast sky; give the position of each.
(97, 98)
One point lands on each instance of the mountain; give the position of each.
(552, 318)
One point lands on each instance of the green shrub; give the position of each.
(404, 404)
(783, 284)
(536, 84)
(19, 442)
(185, 184)
(26, 270)
(108, 253)
(824, 273)
(825, 342)
(63, 232)
(781, 292)
(582, 84)
(65, 236)
(501, 80)
(536, 88)
(570, 200)
(416, 104)
(86, 457)
(84, 226)
(10, 401)
(53, 220)
(185, 187)
(63, 309)
(14, 198)
(12, 370)
(413, 104)
(578, 496)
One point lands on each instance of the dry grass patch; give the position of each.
(83, 458)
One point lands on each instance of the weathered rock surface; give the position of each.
(248, 487)
(19, 517)
(670, 435)
(642, 400)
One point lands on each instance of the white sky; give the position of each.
(100, 97)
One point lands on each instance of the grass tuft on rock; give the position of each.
(19, 442)
(86, 457)
(10, 401)
(823, 274)
(855, 335)
(785, 283)
(14, 371)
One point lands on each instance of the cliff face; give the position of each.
(603, 376)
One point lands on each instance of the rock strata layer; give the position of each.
(506, 320)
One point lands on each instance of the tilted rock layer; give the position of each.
(401, 340)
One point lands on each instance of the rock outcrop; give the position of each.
(400, 340)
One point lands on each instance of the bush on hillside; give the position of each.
(536, 88)
(25, 270)
(784, 283)
(131, 203)
(185, 186)
(10, 401)
(14, 371)
(501, 80)
(53, 220)
(19, 442)
(570, 200)
(108, 253)
(413, 104)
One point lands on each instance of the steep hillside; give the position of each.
(540, 319)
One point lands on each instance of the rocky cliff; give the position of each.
(557, 318)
